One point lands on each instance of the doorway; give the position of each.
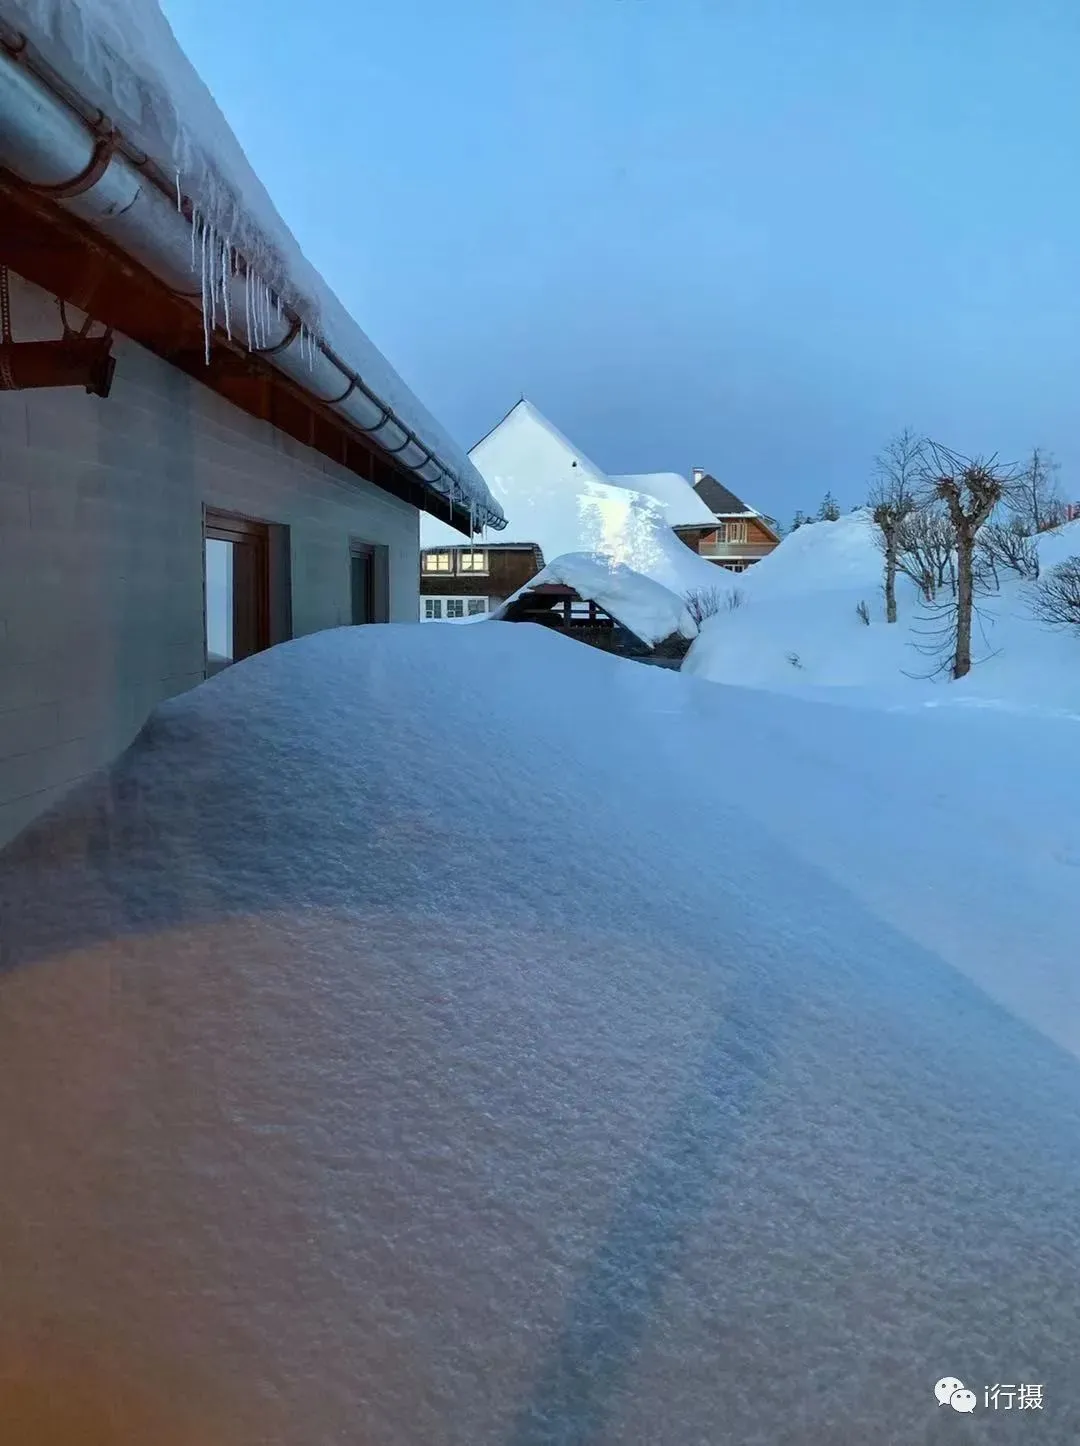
(237, 554)
(369, 600)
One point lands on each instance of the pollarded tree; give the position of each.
(894, 495)
(969, 488)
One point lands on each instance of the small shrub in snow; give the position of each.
(735, 599)
(704, 602)
(794, 660)
(1057, 595)
(863, 611)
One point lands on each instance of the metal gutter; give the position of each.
(69, 153)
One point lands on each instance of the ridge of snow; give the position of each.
(122, 56)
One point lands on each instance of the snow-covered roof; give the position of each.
(647, 608)
(682, 506)
(551, 491)
(122, 56)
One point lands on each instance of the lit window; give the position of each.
(455, 607)
(477, 605)
(432, 608)
(437, 562)
(472, 562)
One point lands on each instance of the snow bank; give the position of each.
(488, 1040)
(122, 56)
(798, 630)
(649, 610)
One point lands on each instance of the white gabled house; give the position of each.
(602, 531)
(201, 453)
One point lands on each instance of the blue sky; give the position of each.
(752, 235)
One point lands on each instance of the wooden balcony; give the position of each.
(734, 551)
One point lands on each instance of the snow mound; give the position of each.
(649, 610)
(418, 1040)
(798, 630)
(122, 56)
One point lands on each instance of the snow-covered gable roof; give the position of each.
(646, 607)
(122, 56)
(682, 505)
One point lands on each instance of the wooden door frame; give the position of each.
(222, 526)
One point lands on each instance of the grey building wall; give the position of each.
(101, 553)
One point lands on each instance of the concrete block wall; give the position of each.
(101, 552)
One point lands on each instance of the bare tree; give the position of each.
(1057, 595)
(924, 550)
(970, 488)
(1034, 499)
(893, 498)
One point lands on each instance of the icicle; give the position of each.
(226, 283)
(204, 279)
(247, 308)
(179, 197)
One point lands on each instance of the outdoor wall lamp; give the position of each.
(76, 360)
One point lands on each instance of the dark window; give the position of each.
(236, 555)
(369, 582)
(362, 582)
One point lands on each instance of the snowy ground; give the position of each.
(800, 603)
(463, 1036)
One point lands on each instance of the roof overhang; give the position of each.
(54, 250)
(85, 216)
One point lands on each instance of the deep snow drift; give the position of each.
(797, 630)
(464, 1036)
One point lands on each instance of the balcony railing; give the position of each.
(735, 551)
